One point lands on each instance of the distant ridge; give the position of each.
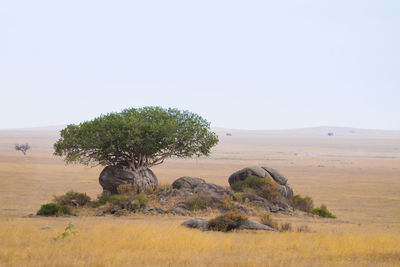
(321, 131)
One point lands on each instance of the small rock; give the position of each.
(161, 211)
(178, 211)
(253, 225)
(45, 227)
(98, 213)
(242, 209)
(162, 201)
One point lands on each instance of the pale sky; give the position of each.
(239, 64)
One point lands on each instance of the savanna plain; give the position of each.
(355, 173)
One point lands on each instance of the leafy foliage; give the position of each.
(67, 231)
(53, 209)
(227, 221)
(323, 212)
(305, 204)
(264, 187)
(138, 138)
(73, 199)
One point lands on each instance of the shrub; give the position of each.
(264, 187)
(53, 209)
(72, 198)
(323, 212)
(249, 182)
(227, 221)
(305, 204)
(286, 227)
(267, 220)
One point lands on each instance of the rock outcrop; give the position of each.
(202, 224)
(263, 172)
(113, 176)
(191, 185)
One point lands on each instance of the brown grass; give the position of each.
(358, 179)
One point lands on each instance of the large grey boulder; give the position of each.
(199, 186)
(202, 224)
(263, 172)
(253, 225)
(197, 223)
(187, 183)
(113, 176)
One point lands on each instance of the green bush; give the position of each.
(264, 187)
(228, 221)
(305, 204)
(267, 220)
(53, 209)
(72, 198)
(323, 212)
(249, 182)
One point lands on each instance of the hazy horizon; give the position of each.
(243, 65)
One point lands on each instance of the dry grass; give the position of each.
(161, 242)
(362, 191)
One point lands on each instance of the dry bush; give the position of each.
(72, 198)
(269, 221)
(227, 221)
(286, 227)
(227, 202)
(305, 204)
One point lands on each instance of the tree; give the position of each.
(136, 138)
(22, 147)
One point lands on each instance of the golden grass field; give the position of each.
(357, 177)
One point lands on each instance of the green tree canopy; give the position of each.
(137, 138)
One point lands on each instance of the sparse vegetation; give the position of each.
(303, 228)
(269, 221)
(264, 187)
(196, 202)
(227, 202)
(286, 227)
(323, 212)
(72, 198)
(305, 204)
(53, 209)
(67, 231)
(227, 221)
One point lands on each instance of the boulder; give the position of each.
(187, 183)
(197, 223)
(190, 186)
(178, 211)
(253, 225)
(113, 176)
(202, 224)
(263, 172)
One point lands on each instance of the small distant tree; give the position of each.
(22, 147)
(136, 138)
